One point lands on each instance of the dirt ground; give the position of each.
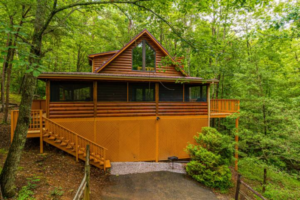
(55, 174)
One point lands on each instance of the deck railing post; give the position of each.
(208, 106)
(104, 157)
(41, 132)
(87, 173)
(76, 146)
(238, 184)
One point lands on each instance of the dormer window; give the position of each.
(143, 57)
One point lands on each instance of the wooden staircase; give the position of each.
(74, 144)
(65, 139)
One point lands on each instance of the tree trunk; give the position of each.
(78, 59)
(7, 178)
(5, 117)
(5, 65)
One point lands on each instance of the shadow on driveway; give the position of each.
(155, 185)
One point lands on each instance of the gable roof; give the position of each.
(102, 53)
(145, 31)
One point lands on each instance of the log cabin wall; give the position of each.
(99, 60)
(106, 106)
(123, 63)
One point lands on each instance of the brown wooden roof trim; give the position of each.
(102, 53)
(113, 77)
(145, 31)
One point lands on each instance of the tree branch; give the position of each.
(56, 10)
(164, 20)
(61, 21)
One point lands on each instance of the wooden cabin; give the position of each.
(130, 107)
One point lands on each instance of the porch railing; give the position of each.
(224, 105)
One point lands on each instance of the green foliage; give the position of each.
(3, 151)
(26, 193)
(211, 159)
(57, 193)
(280, 185)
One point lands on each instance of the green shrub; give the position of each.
(211, 159)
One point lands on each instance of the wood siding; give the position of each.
(99, 60)
(126, 109)
(71, 110)
(123, 63)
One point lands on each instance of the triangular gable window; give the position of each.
(143, 57)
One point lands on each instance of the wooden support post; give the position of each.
(12, 126)
(157, 120)
(41, 132)
(87, 173)
(236, 144)
(237, 190)
(47, 97)
(208, 105)
(76, 147)
(95, 97)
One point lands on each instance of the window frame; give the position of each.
(186, 92)
(68, 82)
(144, 42)
(130, 92)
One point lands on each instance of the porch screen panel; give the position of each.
(195, 93)
(170, 92)
(141, 92)
(71, 91)
(112, 91)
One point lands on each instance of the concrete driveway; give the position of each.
(155, 185)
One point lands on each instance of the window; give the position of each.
(170, 92)
(195, 93)
(112, 91)
(143, 57)
(71, 91)
(141, 92)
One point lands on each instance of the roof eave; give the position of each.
(94, 76)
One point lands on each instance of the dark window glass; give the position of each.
(170, 92)
(112, 91)
(71, 91)
(143, 57)
(149, 57)
(141, 92)
(137, 57)
(195, 93)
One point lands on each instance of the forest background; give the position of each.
(251, 47)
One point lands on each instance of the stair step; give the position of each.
(107, 164)
(69, 147)
(57, 141)
(63, 144)
(46, 135)
(80, 152)
(51, 138)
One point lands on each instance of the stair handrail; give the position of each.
(75, 133)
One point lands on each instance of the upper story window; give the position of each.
(143, 57)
